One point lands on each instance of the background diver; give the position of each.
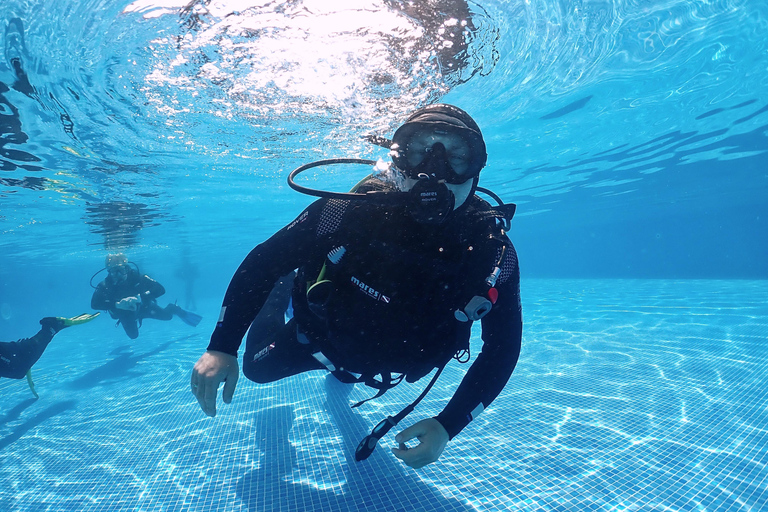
(18, 357)
(390, 279)
(130, 297)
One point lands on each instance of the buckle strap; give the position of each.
(387, 383)
(374, 397)
(323, 360)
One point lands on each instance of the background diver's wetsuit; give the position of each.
(392, 304)
(107, 294)
(17, 357)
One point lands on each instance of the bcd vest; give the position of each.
(385, 296)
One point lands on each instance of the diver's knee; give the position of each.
(15, 373)
(258, 373)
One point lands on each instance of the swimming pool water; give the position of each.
(632, 135)
(629, 395)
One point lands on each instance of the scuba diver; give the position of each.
(383, 284)
(130, 296)
(18, 357)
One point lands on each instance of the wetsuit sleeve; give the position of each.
(151, 289)
(288, 249)
(101, 300)
(502, 335)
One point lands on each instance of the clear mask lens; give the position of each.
(423, 145)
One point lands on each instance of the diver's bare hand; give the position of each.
(128, 303)
(432, 438)
(209, 372)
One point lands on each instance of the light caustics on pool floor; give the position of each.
(629, 395)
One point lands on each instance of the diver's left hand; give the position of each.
(432, 440)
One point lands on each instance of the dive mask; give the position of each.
(439, 146)
(118, 273)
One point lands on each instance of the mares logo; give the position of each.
(370, 291)
(428, 197)
(261, 354)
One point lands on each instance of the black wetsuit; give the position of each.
(108, 294)
(390, 307)
(17, 357)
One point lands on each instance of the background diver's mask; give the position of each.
(117, 273)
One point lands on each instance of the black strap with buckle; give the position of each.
(368, 444)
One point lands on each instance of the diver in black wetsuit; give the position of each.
(384, 286)
(18, 357)
(130, 297)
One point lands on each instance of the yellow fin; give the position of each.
(31, 383)
(79, 319)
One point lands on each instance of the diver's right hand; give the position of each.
(128, 303)
(209, 372)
